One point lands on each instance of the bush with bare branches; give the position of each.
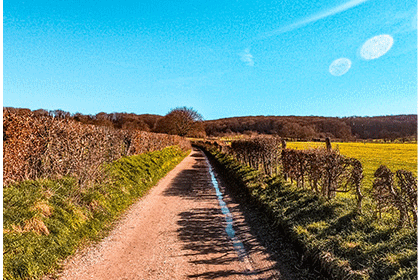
(400, 195)
(326, 172)
(258, 152)
(42, 146)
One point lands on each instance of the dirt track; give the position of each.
(177, 231)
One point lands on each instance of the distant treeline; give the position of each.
(312, 128)
(402, 127)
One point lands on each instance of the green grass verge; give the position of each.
(45, 221)
(345, 244)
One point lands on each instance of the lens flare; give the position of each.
(376, 46)
(340, 66)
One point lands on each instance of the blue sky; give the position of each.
(223, 58)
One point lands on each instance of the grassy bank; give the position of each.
(330, 234)
(45, 221)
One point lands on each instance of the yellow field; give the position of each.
(372, 155)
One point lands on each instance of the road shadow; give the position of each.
(192, 183)
(204, 238)
(203, 235)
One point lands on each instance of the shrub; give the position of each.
(401, 196)
(40, 146)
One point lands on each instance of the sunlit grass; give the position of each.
(44, 221)
(345, 243)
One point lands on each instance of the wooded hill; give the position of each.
(349, 128)
(295, 127)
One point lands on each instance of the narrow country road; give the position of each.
(180, 230)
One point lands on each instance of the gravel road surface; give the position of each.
(179, 231)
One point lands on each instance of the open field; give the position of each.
(372, 155)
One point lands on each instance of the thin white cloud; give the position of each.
(415, 21)
(404, 22)
(344, 7)
(247, 57)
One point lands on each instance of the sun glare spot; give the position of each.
(376, 46)
(340, 66)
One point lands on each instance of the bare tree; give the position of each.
(180, 121)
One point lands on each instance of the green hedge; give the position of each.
(45, 221)
(330, 234)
